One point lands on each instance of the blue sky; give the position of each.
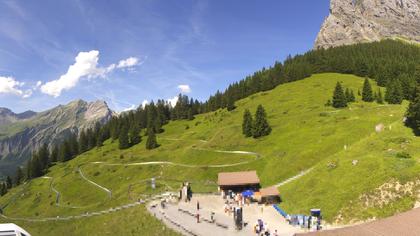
(126, 52)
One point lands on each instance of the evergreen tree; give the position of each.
(247, 124)
(134, 134)
(9, 183)
(339, 98)
(230, 103)
(54, 154)
(83, 142)
(352, 97)
(347, 94)
(19, 176)
(43, 155)
(394, 93)
(413, 112)
(3, 189)
(124, 142)
(379, 97)
(65, 152)
(261, 126)
(36, 166)
(367, 94)
(151, 142)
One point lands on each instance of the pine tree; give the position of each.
(367, 94)
(43, 155)
(151, 142)
(19, 176)
(83, 142)
(3, 189)
(394, 93)
(134, 134)
(230, 104)
(9, 183)
(379, 97)
(65, 152)
(54, 154)
(352, 97)
(339, 98)
(261, 126)
(124, 142)
(347, 94)
(247, 124)
(413, 112)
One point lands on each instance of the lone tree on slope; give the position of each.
(413, 113)
(151, 142)
(261, 126)
(339, 98)
(247, 124)
(367, 94)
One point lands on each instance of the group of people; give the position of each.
(261, 229)
(185, 193)
(306, 222)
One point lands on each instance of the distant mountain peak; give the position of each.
(357, 21)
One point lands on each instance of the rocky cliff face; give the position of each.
(26, 132)
(356, 21)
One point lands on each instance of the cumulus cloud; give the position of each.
(85, 66)
(185, 88)
(129, 62)
(173, 101)
(8, 85)
(144, 103)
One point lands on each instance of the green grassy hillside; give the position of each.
(305, 135)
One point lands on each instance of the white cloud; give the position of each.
(129, 62)
(8, 85)
(144, 103)
(173, 101)
(38, 83)
(185, 88)
(132, 107)
(85, 66)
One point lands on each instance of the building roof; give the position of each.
(238, 178)
(12, 227)
(407, 223)
(270, 191)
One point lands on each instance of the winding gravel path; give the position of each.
(109, 192)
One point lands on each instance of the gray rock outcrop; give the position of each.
(357, 21)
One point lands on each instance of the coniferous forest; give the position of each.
(392, 64)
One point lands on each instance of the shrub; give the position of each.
(403, 155)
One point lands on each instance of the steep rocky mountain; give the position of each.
(356, 21)
(24, 132)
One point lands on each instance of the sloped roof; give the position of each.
(237, 178)
(407, 223)
(270, 191)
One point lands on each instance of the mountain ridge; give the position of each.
(22, 133)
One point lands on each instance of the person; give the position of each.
(275, 233)
(212, 217)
